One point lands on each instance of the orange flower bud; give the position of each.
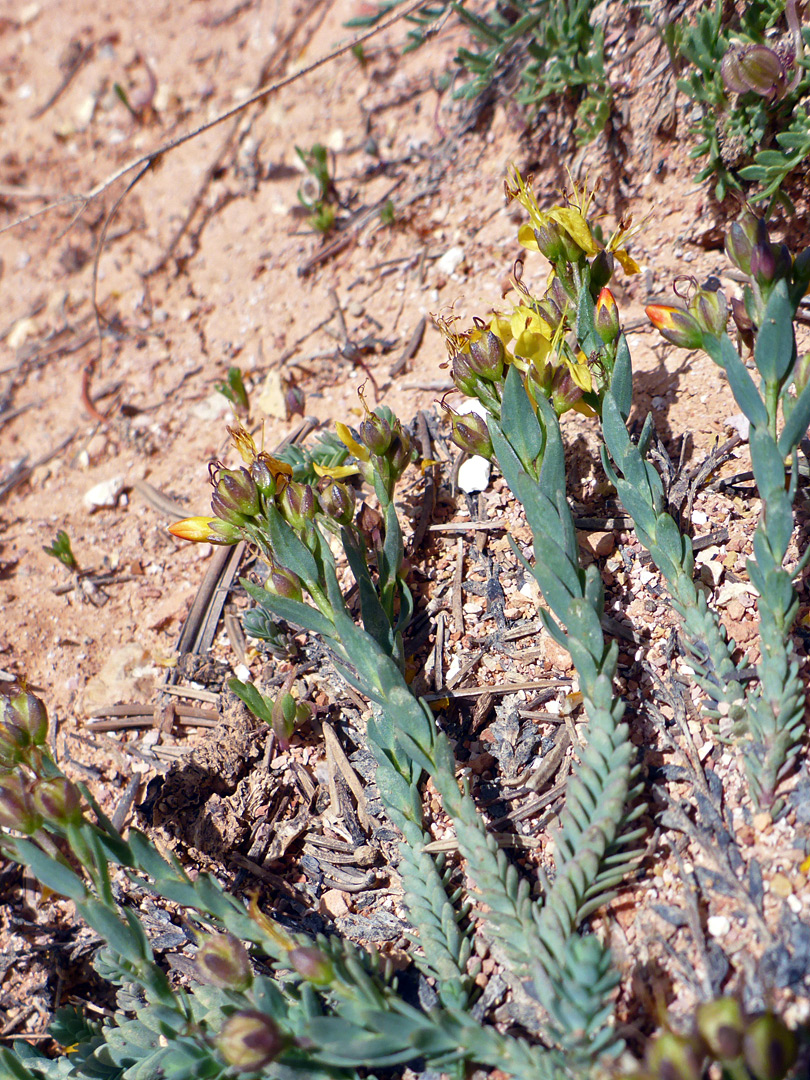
(606, 316)
(675, 325)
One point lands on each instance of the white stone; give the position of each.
(472, 405)
(711, 572)
(104, 494)
(213, 407)
(242, 672)
(451, 260)
(473, 475)
(740, 424)
(718, 926)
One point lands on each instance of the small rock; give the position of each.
(735, 610)
(718, 926)
(336, 140)
(126, 675)
(473, 475)
(740, 424)
(762, 822)
(451, 260)
(271, 400)
(213, 407)
(20, 332)
(333, 903)
(599, 544)
(104, 494)
(711, 572)
(780, 885)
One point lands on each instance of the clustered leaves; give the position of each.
(273, 1003)
(747, 75)
(768, 720)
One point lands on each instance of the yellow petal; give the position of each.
(349, 441)
(576, 226)
(583, 408)
(527, 239)
(581, 374)
(628, 263)
(532, 346)
(335, 472)
(501, 327)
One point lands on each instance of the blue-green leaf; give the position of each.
(767, 461)
(519, 422)
(47, 870)
(255, 701)
(375, 620)
(292, 611)
(797, 422)
(621, 381)
(742, 385)
(775, 349)
(291, 552)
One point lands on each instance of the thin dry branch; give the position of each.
(147, 160)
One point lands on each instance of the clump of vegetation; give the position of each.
(749, 77)
(747, 73)
(557, 47)
(273, 1003)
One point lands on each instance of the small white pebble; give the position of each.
(451, 260)
(794, 903)
(718, 926)
(699, 518)
(705, 750)
(473, 474)
(242, 672)
(104, 494)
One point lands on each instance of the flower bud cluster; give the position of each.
(28, 804)
(382, 447)
(750, 248)
(24, 725)
(761, 1047)
(469, 432)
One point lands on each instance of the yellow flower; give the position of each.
(532, 335)
(571, 219)
(335, 472)
(615, 244)
(580, 373)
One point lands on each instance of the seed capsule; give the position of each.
(222, 960)
(250, 1040)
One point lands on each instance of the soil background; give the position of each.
(209, 262)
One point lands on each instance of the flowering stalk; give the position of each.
(772, 715)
